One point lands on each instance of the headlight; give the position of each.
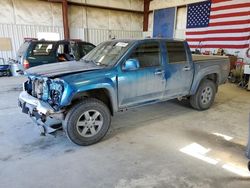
(37, 88)
(56, 88)
(45, 95)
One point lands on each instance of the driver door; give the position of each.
(145, 84)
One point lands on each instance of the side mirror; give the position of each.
(131, 64)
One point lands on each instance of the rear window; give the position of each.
(87, 48)
(176, 52)
(23, 48)
(42, 49)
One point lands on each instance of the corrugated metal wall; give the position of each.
(17, 33)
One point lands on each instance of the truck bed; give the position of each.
(197, 57)
(207, 64)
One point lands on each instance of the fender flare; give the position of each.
(110, 90)
(201, 77)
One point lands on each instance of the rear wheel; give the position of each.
(8, 73)
(87, 122)
(204, 96)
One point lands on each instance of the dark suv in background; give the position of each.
(39, 52)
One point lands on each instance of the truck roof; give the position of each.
(147, 39)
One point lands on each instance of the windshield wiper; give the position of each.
(89, 61)
(96, 63)
(101, 64)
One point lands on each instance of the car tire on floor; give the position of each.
(204, 96)
(87, 122)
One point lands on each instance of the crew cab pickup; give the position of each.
(115, 76)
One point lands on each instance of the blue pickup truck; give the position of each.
(115, 76)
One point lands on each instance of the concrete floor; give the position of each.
(162, 145)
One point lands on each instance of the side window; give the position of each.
(148, 55)
(42, 49)
(63, 49)
(60, 49)
(176, 52)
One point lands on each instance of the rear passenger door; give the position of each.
(179, 70)
(145, 84)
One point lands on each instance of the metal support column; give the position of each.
(145, 15)
(65, 19)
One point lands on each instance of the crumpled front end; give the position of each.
(41, 99)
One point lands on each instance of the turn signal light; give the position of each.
(26, 64)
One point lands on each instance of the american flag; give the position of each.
(219, 24)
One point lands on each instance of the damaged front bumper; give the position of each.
(40, 112)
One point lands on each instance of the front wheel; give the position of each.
(87, 122)
(204, 96)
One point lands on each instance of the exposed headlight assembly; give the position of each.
(56, 88)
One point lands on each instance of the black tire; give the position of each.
(204, 98)
(77, 115)
(9, 73)
(248, 166)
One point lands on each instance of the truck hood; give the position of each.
(60, 69)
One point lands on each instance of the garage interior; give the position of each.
(166, 144)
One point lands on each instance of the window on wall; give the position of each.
(181, 21)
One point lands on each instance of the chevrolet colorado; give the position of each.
(118, 75)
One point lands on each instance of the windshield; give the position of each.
(107, 53)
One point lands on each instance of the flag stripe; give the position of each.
(242, 5)
(218, 42)
(237, 22)
(219, 1)
(238, 18)
(219, 39)
(219, 31)
(231, 2)
(225, 27)
(222, 46)
(234, 14)
(217, 35)
(245, 9)
(203, 43)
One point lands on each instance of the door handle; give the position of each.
(159, 72)
(186, 68)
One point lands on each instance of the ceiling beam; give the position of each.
(87, 5)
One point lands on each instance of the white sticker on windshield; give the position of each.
(121, 44)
